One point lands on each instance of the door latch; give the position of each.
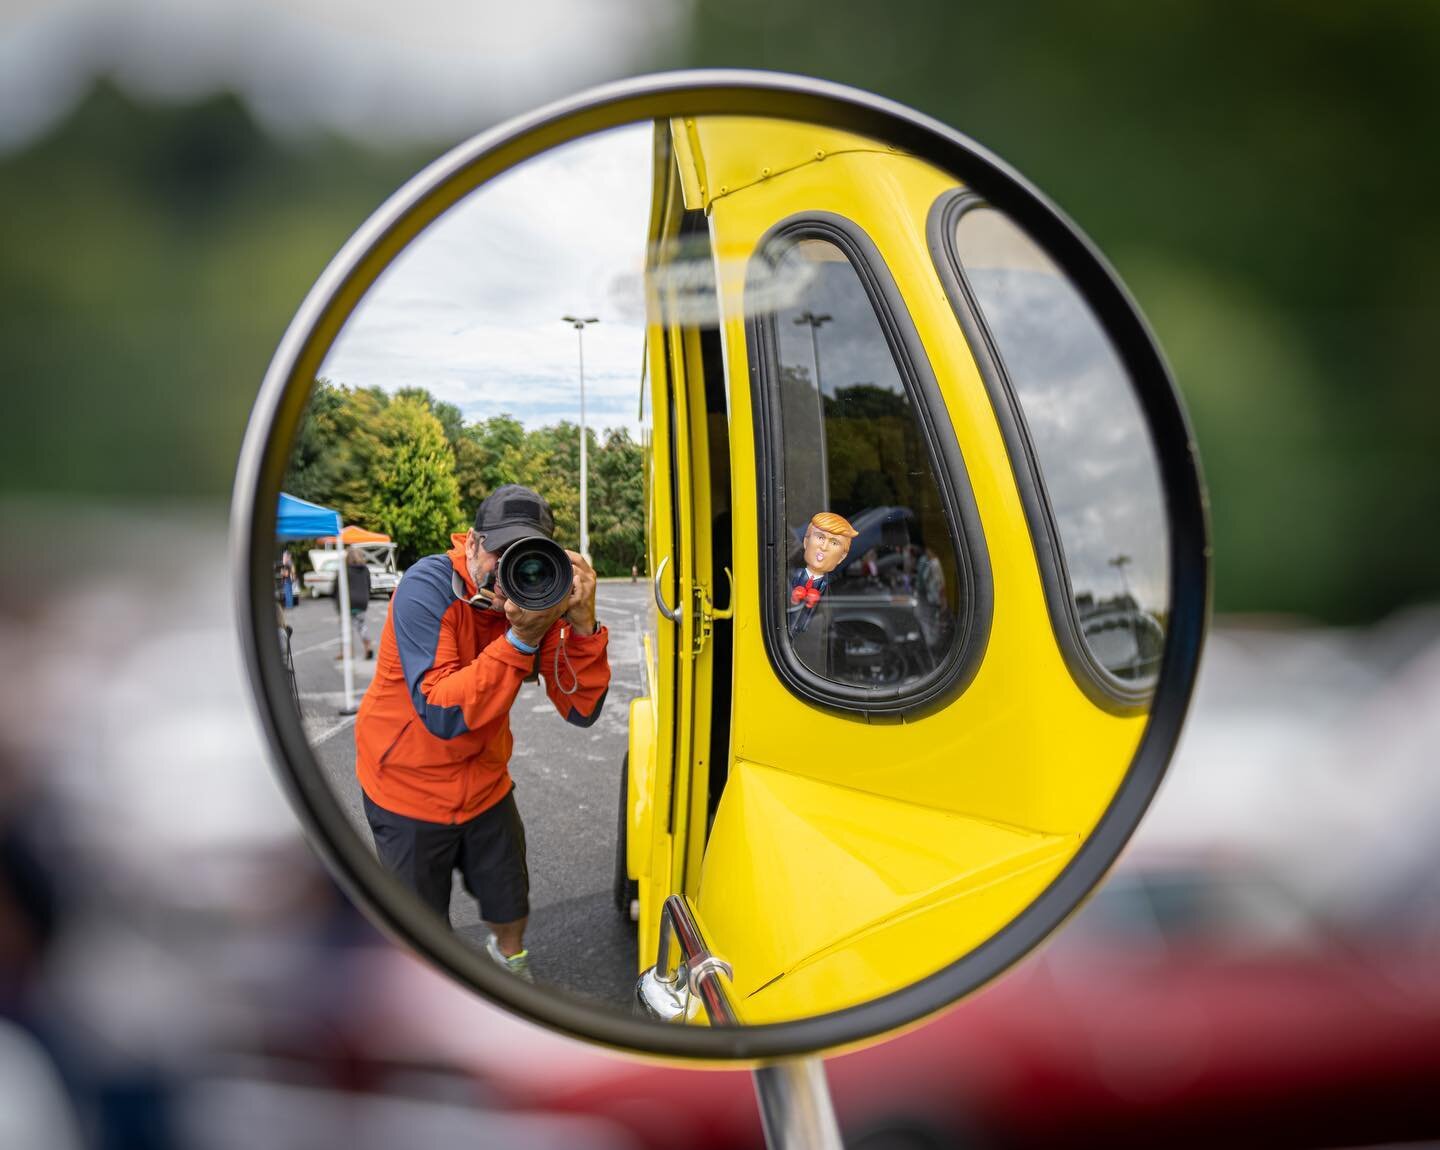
(706, 613)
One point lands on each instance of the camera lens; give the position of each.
(535, 573)
(530, 573)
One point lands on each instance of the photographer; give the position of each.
(432, 737)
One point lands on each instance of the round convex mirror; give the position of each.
(857, 552)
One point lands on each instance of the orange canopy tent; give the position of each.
(350, 534)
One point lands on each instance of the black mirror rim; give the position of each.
(280, 405)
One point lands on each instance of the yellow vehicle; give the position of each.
(853, 787)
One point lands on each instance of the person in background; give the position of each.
(357, 575)
(287, 579)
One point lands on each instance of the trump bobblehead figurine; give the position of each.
(827, 542)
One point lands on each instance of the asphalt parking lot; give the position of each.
(567, 783)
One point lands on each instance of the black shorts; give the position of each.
(488, 851)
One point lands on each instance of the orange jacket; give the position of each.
(432, 737)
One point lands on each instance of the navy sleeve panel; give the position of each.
(416, 612)
(575, 718)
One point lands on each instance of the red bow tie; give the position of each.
(806, 592)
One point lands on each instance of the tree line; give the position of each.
(410, 465)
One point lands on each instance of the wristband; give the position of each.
(519, 644)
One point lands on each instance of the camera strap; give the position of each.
(560, 652)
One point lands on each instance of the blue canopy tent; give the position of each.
(299, 519)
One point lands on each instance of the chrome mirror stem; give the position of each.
(795, 1106)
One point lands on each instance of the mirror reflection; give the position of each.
(679, 576)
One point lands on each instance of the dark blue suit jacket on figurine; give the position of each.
(800, 613)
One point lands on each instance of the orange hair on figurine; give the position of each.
(835, 524)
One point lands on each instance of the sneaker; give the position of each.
(516, 964)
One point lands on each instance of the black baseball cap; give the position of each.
(511, 513)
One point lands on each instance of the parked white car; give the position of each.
(379, 557)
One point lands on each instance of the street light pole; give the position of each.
(815, 323)
(1120, 562)
(579, 326)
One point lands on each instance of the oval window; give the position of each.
(1080, 426)
(875, 595)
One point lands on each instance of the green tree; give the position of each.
(337, 449)
(470, 459)
(387, 463)
(314, 466)
(617, 504)
(486, 456)
(413, 496)
(452, 421)
(544, 465)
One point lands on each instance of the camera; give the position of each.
(535, 573)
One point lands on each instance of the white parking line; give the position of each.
(330, 732)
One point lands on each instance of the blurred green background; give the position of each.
(1261, 174)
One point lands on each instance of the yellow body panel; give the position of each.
(871, 882)
(692, 549)
(639, 806)
(850, 858)
(712, 166)
(653, 850)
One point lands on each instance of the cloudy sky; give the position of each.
(472, 310)
(1089, 436)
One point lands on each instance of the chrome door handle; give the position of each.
(673, 616)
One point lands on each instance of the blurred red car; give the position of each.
(1189, 1003)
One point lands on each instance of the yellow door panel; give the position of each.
(650, 855)
(694, 768)
(901, 950)
(687, 561)
(652, 892)
(639, 805)
(798, 870)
